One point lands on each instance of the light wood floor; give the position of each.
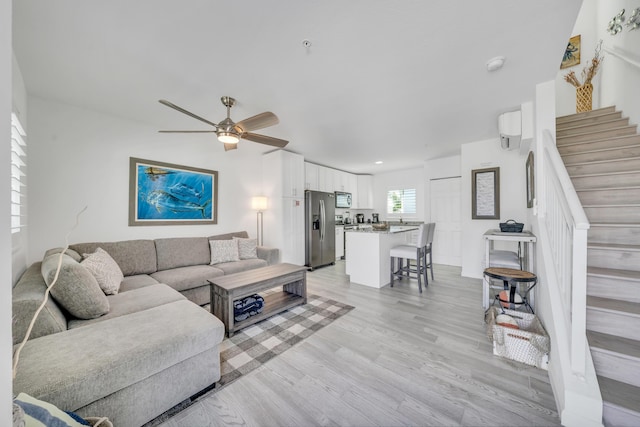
(400, 358)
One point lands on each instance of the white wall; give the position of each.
(6, 394)
(617, 79)
(513, 198)
(81, 158)
(409, 178)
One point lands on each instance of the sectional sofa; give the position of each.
(135, 353)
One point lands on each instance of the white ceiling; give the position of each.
(397, 81)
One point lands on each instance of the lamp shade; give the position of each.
(259, 203)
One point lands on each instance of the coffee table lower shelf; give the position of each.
(273, 304)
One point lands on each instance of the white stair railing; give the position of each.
(566, 227)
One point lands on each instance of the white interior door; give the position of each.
(445, 212)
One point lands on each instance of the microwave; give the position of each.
(343, 200)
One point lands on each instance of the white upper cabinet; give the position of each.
(325, 179)
(311, 176)
(284, 174)
(365, 192)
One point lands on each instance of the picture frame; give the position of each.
(531, 187)
(571, 55)
(168, 194)
(485, 193)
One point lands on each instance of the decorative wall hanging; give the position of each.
(531, 188)
(485, 193)
(615, 25)
(168, 194)
(571, 55)
(584, 90)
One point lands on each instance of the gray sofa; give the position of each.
(151, 350)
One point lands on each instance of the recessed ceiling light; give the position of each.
(379, 162)
(495, 63)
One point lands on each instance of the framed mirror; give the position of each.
(485, 193)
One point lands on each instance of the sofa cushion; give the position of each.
(68, 251)
(183, 278)
(247, 248)
(133, 256)
(27, 297)
(82, 365)
(130, 283)
(104, 269)
(76, 290)
(242, 265)
(182, 252)
(224, 251)
(133, 301)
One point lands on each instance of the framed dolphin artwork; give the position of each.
(167, 194)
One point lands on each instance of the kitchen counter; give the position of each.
(367, 253)
(391, 230)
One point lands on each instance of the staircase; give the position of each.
(601, 151)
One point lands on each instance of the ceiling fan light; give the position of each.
(228, 137)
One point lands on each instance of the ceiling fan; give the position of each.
(229, 132)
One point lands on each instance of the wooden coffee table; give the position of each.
(226, 289)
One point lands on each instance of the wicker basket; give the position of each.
(584, 96)
(529, 344)
(511, 226)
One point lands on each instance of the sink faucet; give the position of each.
(400, 220)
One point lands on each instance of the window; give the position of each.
(401, 201)
(18, 174)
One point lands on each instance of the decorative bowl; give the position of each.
(380, 226)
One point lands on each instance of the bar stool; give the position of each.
(417, 253)
(510, 278)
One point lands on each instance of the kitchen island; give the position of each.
(367, 253)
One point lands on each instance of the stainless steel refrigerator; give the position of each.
(320, 228)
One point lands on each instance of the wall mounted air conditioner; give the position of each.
(510, 129)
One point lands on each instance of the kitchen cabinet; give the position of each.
(311, 176)
(365, 192)
(325, 179)
(339, 242)
(283, 174)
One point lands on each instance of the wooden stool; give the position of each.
(510, 278)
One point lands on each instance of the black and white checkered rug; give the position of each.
(255, 345)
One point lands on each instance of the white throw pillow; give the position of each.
(105, 270)
(223, 251)
(247, 248)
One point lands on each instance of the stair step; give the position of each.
(614, 317)
(628, 234)
(606, 180)
(618, 141)
(614, 256)
(609, 153)
(614, 357)
(621, 406)
(592, 127)
(588, 120)
(585, 114)
(592, 136)
(613, 284)
(604, 166)
(621, 214)
(609, 196)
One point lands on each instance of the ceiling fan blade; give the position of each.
(258, 121)
(263, 139)
(228, 147)
(187, 131)
(188, 113)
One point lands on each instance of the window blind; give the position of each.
(18, 174)
(401, 201)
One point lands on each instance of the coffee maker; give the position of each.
(375, 218)
(360, 218)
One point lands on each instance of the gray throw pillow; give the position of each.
(76, 290)
(247, 248)
(104, 269)
(223, 251)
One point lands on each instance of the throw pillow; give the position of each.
(76, 290)
(105, 270)
(247, 248)
(39, 413)
(223, 251)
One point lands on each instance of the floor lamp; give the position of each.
(259, 203)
